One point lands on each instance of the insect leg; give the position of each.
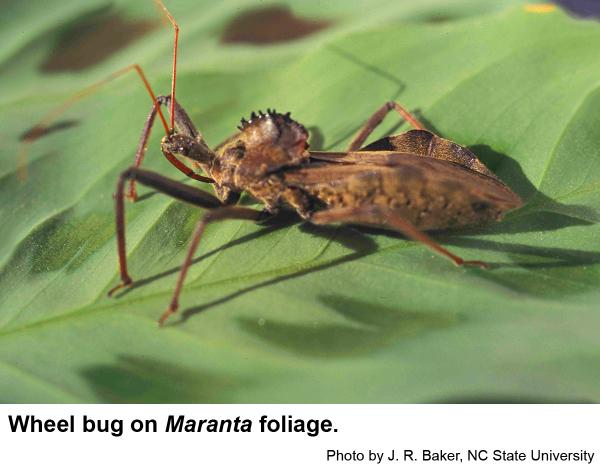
(221, 213)
(375, 119)
(165, 185)
(47, 120)
(387, 217)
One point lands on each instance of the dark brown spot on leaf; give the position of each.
(269, 25)
(38, 131)
(92, 38)
(435, 19)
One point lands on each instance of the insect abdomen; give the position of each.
(429, 203)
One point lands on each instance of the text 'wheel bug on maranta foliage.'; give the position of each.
(412, 182)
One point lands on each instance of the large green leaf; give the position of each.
(289, 312)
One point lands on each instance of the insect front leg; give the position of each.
(222, 213)
(387, 217)
(165, 185)
(375, 119)
(181, 192)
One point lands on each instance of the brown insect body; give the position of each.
(267, 145)
(430, 181)
(435, 183)
(250, 160)
(430, 194)
(411, 182)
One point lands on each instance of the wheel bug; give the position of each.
(412, 182)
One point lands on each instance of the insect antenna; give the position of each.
(174, 73)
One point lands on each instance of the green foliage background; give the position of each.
(289, 312)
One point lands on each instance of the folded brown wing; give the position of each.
(430, 193)
(386, 151)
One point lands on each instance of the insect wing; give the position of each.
(409, 177)
(386, 151)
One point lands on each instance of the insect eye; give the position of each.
(240, 150)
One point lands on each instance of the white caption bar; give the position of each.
(300, 435)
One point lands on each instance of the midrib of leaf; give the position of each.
(251, 279)
(549, 305)
(244, 279)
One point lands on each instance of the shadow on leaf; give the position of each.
(285, 220)
(534, 199)
(360, 243)
(146, 380)
(369, 328)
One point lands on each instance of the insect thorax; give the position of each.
(265, 144)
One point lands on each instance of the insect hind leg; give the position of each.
(377, 117)
(387, 217)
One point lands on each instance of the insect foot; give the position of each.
(475, 264)
(125, 283)
(171, 310)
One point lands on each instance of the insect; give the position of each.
(412, 182)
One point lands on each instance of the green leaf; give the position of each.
(289, 312)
